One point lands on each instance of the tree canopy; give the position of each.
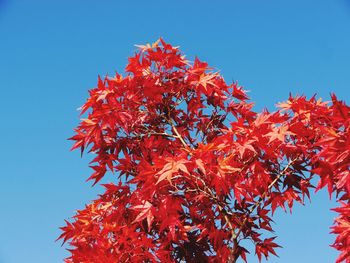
(196, 169)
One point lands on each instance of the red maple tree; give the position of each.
(196, 169)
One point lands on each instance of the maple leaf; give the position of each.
(200, 165)
(242, 148)
(98, 174)
(239, 93)
(170, 168)
(145, 212)
(266, 247)
(279, 133)
(146, 47)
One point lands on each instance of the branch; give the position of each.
(207, 190)
(178, 135)
(162, 134)
(147, 131)
(258, 203)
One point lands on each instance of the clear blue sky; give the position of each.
(52, 51)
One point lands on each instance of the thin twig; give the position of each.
(258, 203)
(207, 190)
(178, 134)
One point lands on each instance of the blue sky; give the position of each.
(52, 51)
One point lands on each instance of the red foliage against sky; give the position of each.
(196, 169)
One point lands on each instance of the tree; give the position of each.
(196, 169)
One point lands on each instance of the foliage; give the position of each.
(197, 170)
